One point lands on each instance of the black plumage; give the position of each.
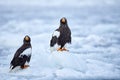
(64, 36)
(19, 58)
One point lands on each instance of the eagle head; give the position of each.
(26, 39)
(63, 20)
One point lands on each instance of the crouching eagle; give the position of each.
(23, 55)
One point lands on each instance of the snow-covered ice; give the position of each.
(93, 54)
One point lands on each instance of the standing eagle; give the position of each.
(61, 36)
(23, 55)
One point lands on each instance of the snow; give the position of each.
(93, 54)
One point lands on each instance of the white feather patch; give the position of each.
(56, 33)
(27, 52)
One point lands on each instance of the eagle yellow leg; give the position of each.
(25, 66)
(59, 49)
(63, 49)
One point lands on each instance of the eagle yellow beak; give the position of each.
(63, 20)
(27, 38)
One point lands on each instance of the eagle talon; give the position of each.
(25, 66)
(62, 49)
(59, 49)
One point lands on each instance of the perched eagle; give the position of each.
(61, 36)
(23, 55)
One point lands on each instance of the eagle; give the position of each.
(23, 55)
(61, 36)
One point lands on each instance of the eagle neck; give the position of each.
(63, 25)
